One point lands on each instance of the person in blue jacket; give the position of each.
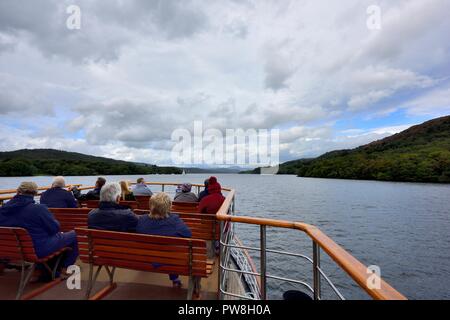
(57, 197)
(160, 222)
(204, 193)
(22, 212)
(110, 215)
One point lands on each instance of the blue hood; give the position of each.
(16, 204)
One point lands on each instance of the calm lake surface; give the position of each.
(404, 228)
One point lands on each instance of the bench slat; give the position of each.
(141, 238)
(147, 246)
(184, 271)
(142, 252)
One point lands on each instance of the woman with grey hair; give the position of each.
(110, 215)
(57, 197)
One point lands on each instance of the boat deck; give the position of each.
(131, 285)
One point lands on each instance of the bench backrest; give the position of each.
(143, 252)
(16, 245)
(143, 202)
(71, 218)
(203, 226)
(191, 207)
(95, 203)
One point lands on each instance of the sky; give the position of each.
(137, 70)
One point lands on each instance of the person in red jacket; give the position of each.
(214, 200)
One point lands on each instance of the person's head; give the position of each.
(110, 192)
(206, 183)
(125, 187)
(214, 186)
(186, 187)
(140, 180)
(100, 182)
(59, 182)
(28, 189)
(160, 206)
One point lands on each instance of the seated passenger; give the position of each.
(22, 212)
(141, 189)
(214, 200)
(127, 195)
(57, 197)
(91, 195)
(110, 215)
(161, 222)
(204, 193)
(185, 194)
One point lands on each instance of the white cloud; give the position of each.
(139, 69)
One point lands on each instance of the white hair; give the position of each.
(59, 182)
(110, 192)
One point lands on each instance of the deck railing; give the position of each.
(320, 243)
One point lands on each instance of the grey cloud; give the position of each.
(130, 122)
(106, 27)
(20, 96)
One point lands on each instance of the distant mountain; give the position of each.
(229, 170)
(29, 162)
(418, 154)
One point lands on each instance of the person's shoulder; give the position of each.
(38, 208)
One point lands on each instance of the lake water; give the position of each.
(404, 228)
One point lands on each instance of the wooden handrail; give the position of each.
(9, 191)
(353, 267)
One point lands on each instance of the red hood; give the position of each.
(214, 186)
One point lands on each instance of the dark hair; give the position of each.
(206, 182)
(101, 182)
(140, 180)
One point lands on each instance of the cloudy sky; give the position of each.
(139, 69)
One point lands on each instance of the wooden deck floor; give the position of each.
(131, 285)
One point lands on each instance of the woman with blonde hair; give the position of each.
(160, 222)
(126, 194)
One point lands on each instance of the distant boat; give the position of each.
(184, 173)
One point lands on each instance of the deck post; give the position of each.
(220, 277)
(316, 271)
(263, 262)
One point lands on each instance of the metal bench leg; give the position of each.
(211, 249)
(193, 287)
(24, 279)
(190, 289)
(92, 279)
(111, 274)
(197, 286)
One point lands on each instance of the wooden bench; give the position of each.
(143, 202)
(190, 207)
(203, 226)
(16, 246)
(140, 252)
(71, 218)
(93, 204)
